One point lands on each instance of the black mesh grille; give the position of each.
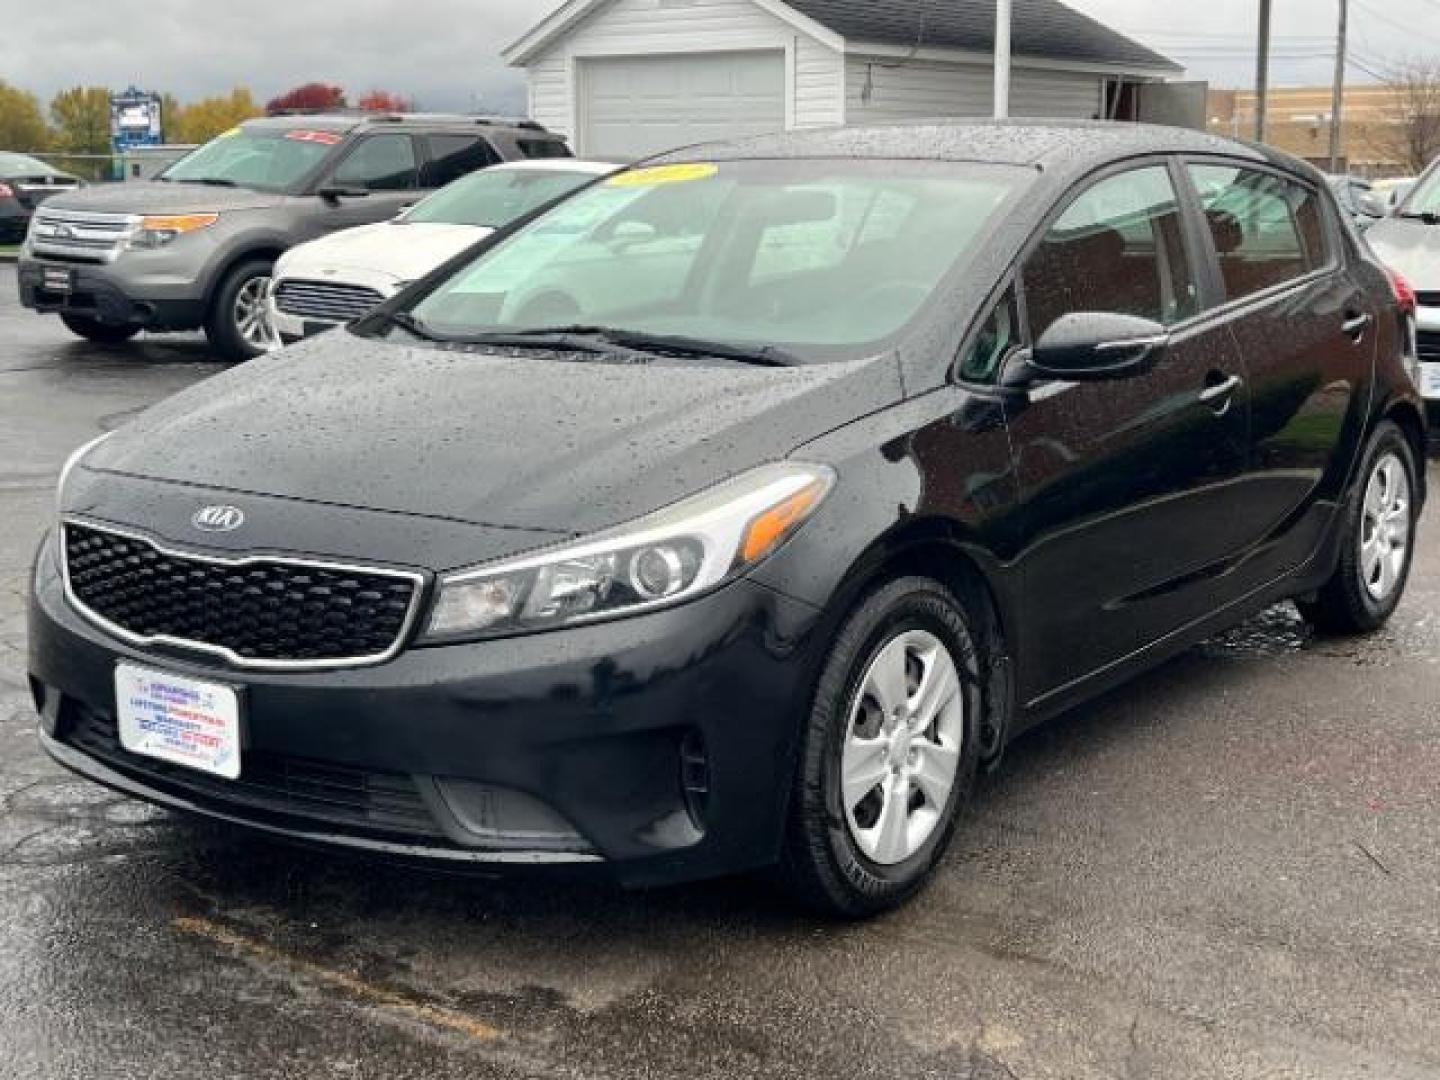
(261, 611)
(1428, 345)
(386, 803)
(1428, 299)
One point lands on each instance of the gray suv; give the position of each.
(195, 247)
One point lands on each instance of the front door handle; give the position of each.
(1219, 391)
(1355, 326)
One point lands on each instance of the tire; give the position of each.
(1377, 541)
(230, 333)
(99, 332)
(839, 859)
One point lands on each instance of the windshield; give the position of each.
(496, 197)
(266, 159)
(14, 164)
(813, 257)
(1419, 197)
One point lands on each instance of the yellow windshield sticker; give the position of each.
(663, 174)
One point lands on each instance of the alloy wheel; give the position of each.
(252, 315)
(902, 747)
(1385, 528)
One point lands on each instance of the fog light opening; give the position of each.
(695, 777)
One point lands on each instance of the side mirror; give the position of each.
(1370, 206)
(333, 193)
(1091, 346)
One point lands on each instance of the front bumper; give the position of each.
(658, 747)
(107, 292)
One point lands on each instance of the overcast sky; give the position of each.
(444, 53)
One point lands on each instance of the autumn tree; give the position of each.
(22, 125)
(311, 96)
(1413, 134)
(202, 120)
(385, 101)
(81, 117)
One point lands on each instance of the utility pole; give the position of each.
(1002, 59)
(1337, 101)
(1262, 72)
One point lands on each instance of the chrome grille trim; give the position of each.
(141, 640)
(80, 234)
(325, 300)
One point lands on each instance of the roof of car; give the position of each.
(565, 165)
(1040, 28)
(349, 121)
(1036, 143)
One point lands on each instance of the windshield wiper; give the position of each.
(672, 344)
(211, 181)
(1429, 217)
(411, 325)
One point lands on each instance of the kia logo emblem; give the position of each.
(218, 518)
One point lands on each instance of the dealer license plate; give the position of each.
(178, 719)
(57, 279)
(1430, 380)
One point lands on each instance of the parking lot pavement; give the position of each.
(1227, 869)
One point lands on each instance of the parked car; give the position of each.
(1408, 241)
(26, 182)
(1358, 199)
(319, 285)
(940, 430)
(195, 248)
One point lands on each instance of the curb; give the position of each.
(9, 257)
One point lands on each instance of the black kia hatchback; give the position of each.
(735, 511)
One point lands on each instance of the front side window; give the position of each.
(454, 156)
(379, 163)
(543, 148)
(1267, 230)
(814, 257)
(1119, 248)
(265, 159)
(999, 336)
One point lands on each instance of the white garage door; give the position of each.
(634, 106)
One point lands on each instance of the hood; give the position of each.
(155, 197)
(398, 249)
(1411, 247)
(524, 441)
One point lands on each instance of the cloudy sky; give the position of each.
(444, 52)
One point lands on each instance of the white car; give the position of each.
(338, 278)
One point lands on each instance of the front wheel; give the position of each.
(1377, 541)
(889, 752)
(238, 324)
(101, 333)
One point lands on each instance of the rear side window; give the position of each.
(543, 148)
(1267, 230)
(454, 156)
(1120, 248)
(380, 163)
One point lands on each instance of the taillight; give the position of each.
(1404, 292)
(6, 191)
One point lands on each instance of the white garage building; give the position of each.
(625, 78)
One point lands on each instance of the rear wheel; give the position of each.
(238, 325)
(101, 332)
(1377, 543)
(889, 752)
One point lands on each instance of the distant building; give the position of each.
(1299, 124)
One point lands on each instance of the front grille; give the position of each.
(337, 794)
(324, 300)
(1428, 299)
(1427, 345)
(80, 235)
(256, 612)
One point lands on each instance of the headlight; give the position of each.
(154, 232)
(666, 558)
(69, 467)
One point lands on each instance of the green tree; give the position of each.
(81, 116)
(201, 121)
(171, 117)
(22, 125)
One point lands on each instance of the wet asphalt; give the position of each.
(1228, 868)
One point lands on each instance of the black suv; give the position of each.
(194, 248)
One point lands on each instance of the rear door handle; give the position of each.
(1355, 326)
(1218, 394)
